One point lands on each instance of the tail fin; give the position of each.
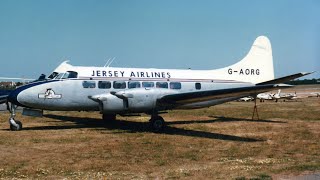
(256, 66)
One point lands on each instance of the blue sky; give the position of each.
(37, 35)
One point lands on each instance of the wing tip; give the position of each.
(283, 85)
(306, 73)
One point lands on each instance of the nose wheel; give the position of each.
(15, 125)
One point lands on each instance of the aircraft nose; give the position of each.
(12, 97)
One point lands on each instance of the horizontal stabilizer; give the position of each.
(286, 78)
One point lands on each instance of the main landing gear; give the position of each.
(156, 123)
(15, 125)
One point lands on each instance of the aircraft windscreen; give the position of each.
(66, 75)
(59, 76)
(53, 75)
(70, 74)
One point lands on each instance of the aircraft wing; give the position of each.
(286, 78)
(201, 96)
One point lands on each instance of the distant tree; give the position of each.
(305, 81)
(19, 83)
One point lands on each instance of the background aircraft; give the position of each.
(285, 96)
(246, 99)
(314, 94)
(265, 96)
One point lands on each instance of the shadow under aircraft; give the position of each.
(136, 127)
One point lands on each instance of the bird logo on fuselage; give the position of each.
(49, 94)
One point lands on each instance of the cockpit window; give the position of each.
(53, 75)
(59, 76)
(72, 74)
(66, 75)
(69, 75)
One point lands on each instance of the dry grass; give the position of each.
(220, 142)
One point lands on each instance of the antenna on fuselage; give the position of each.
(111, 61)
(107, 62)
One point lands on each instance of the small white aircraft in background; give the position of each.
(128, 91)
(314, 94)
(275, 96)
(246, 99)
(265, 96)
(284, 96)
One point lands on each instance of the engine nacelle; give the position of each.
(132, 100)
(142, 100)
(112, 104)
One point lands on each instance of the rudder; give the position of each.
(256, 66)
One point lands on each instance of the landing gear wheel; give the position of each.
(16, 127)
(157, 123)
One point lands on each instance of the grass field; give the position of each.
(221, 142)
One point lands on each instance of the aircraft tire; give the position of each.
(14, 128)
(157, 124)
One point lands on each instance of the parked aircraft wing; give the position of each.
(286, 78)
(200, 96)
(3, 95)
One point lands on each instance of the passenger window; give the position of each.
(133, 84)
(119, 84)
(198, 86)
(162, 85)
(175, 85)
(104, 84)
(89, 84)
(147, 84)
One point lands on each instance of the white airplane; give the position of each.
(265, 96)
(284, 96)
(128, 91)
(314, 94)
(246, 99)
